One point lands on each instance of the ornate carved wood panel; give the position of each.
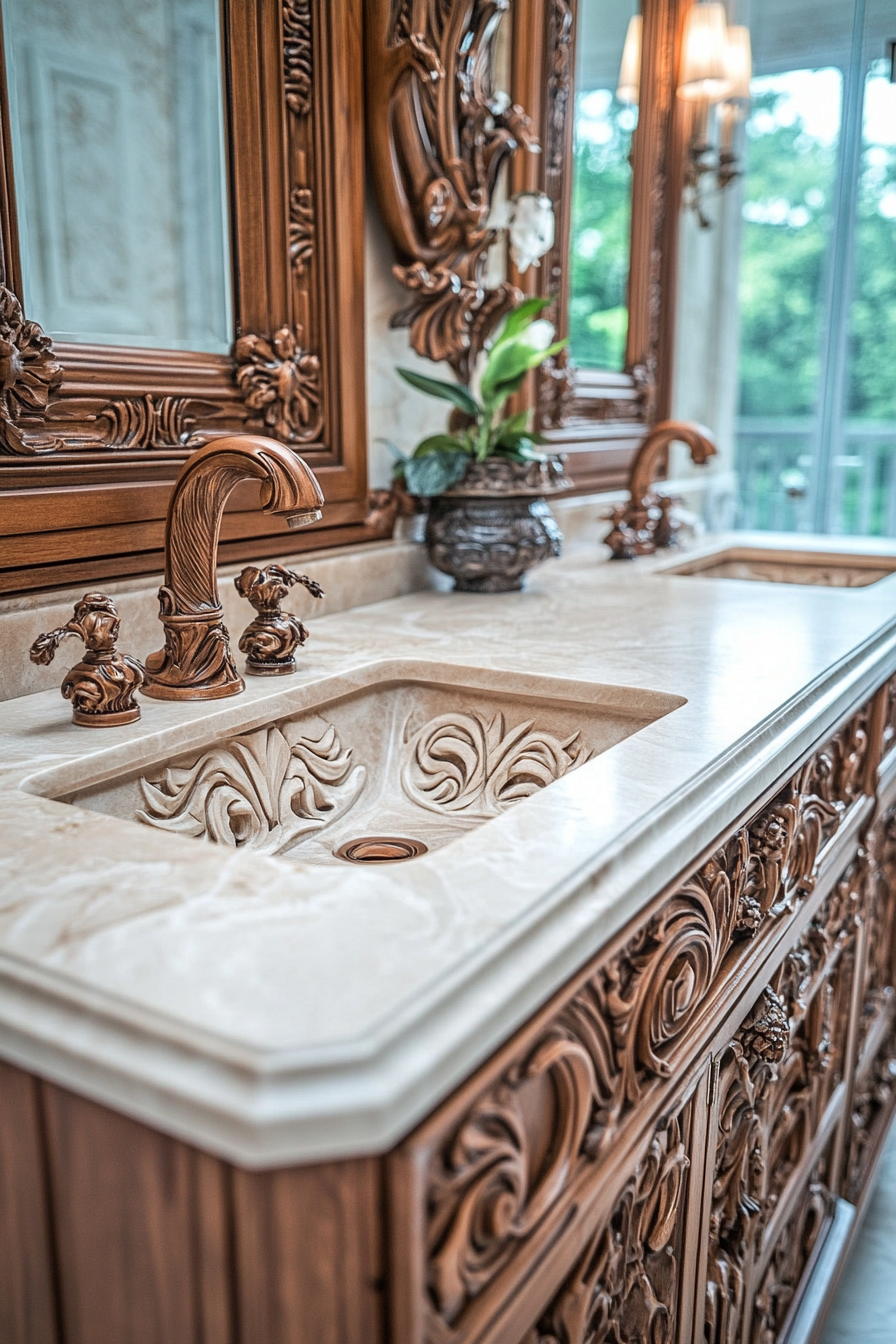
(779, 1094)
(627, 1284)
(490, 1189)
(874, 1094)
(91, 437)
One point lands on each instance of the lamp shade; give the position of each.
(630, 69)
(704, 47)
(738, 61)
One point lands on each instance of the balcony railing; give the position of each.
(777, 479)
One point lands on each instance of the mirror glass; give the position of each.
(600, 218)
(116, 114)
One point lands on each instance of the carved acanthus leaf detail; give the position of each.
(297, 56)
(473, 766)
(281, 382)
(29, 374)
(265, 791)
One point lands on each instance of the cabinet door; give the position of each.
(776, 1129)
(874, 1092)
(632, 1280)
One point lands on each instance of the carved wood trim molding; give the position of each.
(439, 134)
(632, 1022)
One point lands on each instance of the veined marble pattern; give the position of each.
(278, 1010)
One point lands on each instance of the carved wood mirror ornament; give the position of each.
(438, 134)
(92, 436)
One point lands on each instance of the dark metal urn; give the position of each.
(495, 525)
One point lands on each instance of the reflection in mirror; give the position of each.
(116, 112)
(600, 224)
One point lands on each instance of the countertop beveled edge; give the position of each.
(341, 1103)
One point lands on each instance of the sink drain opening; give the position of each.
(380, 849)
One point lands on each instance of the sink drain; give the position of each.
(380, 849)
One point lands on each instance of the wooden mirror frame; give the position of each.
(92, 437)
(598, 417)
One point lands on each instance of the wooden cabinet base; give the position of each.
(677, 1147)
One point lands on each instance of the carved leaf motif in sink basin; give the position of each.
(470, 764)
(265, 791)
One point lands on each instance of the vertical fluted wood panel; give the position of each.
(309, 1254)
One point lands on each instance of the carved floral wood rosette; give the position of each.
(439, 133)
(119, 422)
(629, 1027)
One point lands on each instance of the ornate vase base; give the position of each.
(487, 544)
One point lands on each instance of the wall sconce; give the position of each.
(630, 70)
(716, 67)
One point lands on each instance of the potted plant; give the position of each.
(484, 476)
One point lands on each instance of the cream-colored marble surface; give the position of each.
(275, 1010)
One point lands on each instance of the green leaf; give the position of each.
(520, 318)
(447, 443)
(452, 392)
(514, 424)
(434, 473)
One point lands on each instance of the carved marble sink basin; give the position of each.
(407, 760)
(831, 570)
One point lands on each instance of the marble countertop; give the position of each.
(274, 1010)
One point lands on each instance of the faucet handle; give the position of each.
(271, 640)
(102, 687)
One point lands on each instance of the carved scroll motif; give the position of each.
(630, 1027)
(265, 791)
(625, 1286)
(281, 382)
(301, 229)
(473, 766)
(439, 137)
(297, 56)
(155, 422)
(557, 374)
(483, 1197)
(29, 374)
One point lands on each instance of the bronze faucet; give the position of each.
(643, 524)
(196, 662)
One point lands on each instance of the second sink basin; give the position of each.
(400, 766)
(819, 569)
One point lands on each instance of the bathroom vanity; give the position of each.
(611, 1059)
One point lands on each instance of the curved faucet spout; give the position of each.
(697, 438)
(196, 662)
